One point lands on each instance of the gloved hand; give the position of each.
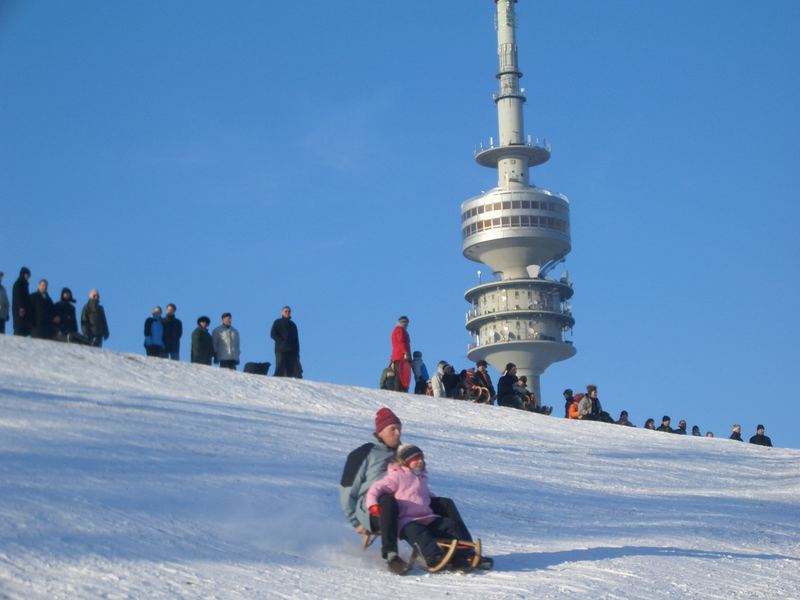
(375, 511)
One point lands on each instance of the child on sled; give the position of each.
(407, 480)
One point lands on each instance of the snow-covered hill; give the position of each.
(128, 477)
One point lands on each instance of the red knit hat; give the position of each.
(385, 417)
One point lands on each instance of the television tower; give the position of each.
(520, 232)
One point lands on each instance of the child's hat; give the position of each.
(407, 452)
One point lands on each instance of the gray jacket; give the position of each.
(437, 385)
(585, 406)
(365, 465)
(226, 343)
(3, 304)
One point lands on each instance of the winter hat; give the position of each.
(407, 452)
(385, 417)
(66, 290)
(665, 418)
(567, 392)
(204, 318)
(760, 427)
(403, 319)
(417, 354)
(591, 388)
(578, 397)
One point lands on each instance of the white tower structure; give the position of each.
(520, 232)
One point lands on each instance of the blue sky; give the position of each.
(242, 156)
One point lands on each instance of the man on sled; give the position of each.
(366, 465)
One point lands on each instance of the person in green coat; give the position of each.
(202, 344)
(93, 320)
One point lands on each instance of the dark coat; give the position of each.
(482, 379)
(284, 332)
(736, 436)
(173, 330)
(65, 311)
(93, 320)
(202, 346)
(666, 428)
(761, 440)
(41, 315)
(21, 299)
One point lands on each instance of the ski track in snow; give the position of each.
(131, 477)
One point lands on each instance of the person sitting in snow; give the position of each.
(505, 388)
(623, 419)
(573, 411)
(364, 466)
(407, 480)
(665, 420)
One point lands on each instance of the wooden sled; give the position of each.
(449, 547)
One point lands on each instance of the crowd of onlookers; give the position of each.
(475, 384)
(35, 314)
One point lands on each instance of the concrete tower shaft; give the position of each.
(520, 231)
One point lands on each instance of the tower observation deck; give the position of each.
(520, 232)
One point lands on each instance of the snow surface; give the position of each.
(130, 477)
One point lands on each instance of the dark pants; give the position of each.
(287, 364)
(2, 326)
(510, 402)
(387, 522)
(171, 355)
(96, 341)
(424, 536)
(228, 364)
(152, 350)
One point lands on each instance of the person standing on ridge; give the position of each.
(67, 324)
(287, 345)
(154, 334)
(421, 376)
(736, 434)
(41, 313)
(401, 354)
(21, 303)
(202, 344)
(93, 320)
(5, 308)
(761, 439)
(173, 331)
(226, 343)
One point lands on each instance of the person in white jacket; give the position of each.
(225, 340)
(436, 381)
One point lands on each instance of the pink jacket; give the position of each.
(409, 489)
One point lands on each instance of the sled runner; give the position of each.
(449, 549)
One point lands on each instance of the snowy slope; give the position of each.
(128, 477)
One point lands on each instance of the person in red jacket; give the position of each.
(401, 355)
